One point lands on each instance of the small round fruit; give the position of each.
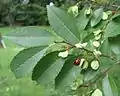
(113, 12)
(77, 61)
(95, 65)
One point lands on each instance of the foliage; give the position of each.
(7, 12)
(9, 85)
(80, 60)
(33, 12)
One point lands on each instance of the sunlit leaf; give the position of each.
(113, 28)
(63, 24)
(31, 36)
(24, 62)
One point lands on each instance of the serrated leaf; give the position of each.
(109, 86)
(97, 16)
(63, 24)
(47, 68)
(24, 62)
(68, 74)
(113, 28)
(30, 36)
(82, 21)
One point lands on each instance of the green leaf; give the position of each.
(68, 74)
(106, 49)
(90, 75)
(115, 45)
(113, 28)
(116, 16)
(48, 68)
(109, 86)
(63, 24)
(97, 16)
(30, 36)
(82, 21)
(115, 73)
(56, 47)
(24, 62)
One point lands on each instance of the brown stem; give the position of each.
(87, 50)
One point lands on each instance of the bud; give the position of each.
(97, 92)
(80, 45)
(105, 16)
(98, 37)
(88, 11)
(73, 10)
(97, 32)
(96, 53)
(96, 44)
(63, 54)
(75, 85)
(102, 41)
(95, 65)
(77, 82)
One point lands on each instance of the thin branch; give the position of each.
(111, 57)
(89, 51)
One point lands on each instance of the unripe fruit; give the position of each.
(96, 44)
(95, 65)
(77, 61)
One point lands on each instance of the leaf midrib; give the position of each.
(48, 69)
(64, 25)
(22, 65)
(97, 16)
(109, 33)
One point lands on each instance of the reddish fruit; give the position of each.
(113, 12)
(77, 61)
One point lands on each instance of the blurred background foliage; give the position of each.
(33, 12)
